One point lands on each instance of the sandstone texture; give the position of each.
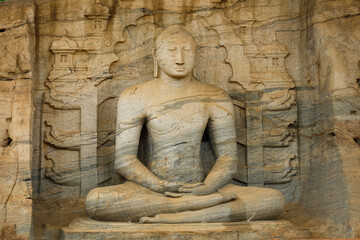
(167, 183)
(84, 228)
(16, 117)
(291, 69)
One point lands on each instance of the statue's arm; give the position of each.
(130, 119)
(223, 139)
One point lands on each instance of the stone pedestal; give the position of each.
(85, 228)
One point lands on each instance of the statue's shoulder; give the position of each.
(211, 91)
(137, 92)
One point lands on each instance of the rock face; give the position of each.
(89, 229)
(331, 118)
(291, 68)
(16, 117)
(97, 59)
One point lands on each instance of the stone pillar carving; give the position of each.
(80, 65)
(264, 92)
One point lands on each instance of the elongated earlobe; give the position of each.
(194, 73)
(156, 69)
(156, 66)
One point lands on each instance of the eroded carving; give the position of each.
(279, 100)
(14, 59)
(265, 90)
(60, 139)
(80, 65)
(62, 167)
(254, 75)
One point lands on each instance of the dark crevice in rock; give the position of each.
(358, 82)
(180, 143)
(332, 134)
(6, 79)
(357, 140)
(2, 29)
(8, 141)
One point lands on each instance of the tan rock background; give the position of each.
(331, 115)
(64, 63)
(17, 44)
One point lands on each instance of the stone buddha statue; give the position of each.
(172, 187)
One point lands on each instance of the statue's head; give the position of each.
(174, 52)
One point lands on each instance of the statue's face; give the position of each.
(176, 56)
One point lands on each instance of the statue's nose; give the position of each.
(179, 57)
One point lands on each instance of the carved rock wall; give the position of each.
(291, 67)
(107, 46)
(16, 117)
(89, 51)
(252, 49)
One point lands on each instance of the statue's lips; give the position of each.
(180, 69)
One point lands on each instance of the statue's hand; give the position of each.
(172, 188)
(198, 190)
(191, 185)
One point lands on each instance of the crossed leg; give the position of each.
(130, 202)
(251, 204)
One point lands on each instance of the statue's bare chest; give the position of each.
(180, 116)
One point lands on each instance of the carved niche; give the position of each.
(89, 74)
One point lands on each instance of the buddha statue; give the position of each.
(172, 187)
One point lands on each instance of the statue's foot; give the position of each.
(175, 218)
(161, 218)
(191, 202)
(146, 220)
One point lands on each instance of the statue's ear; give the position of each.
(156, 66)
(194, 73)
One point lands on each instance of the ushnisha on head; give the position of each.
(174, 53)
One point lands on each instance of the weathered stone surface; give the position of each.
(291, 68)
(89, 229)
(327, 117)
(167, 183)
(215, 35)
(16, 118)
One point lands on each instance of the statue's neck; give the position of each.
(174, 82)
